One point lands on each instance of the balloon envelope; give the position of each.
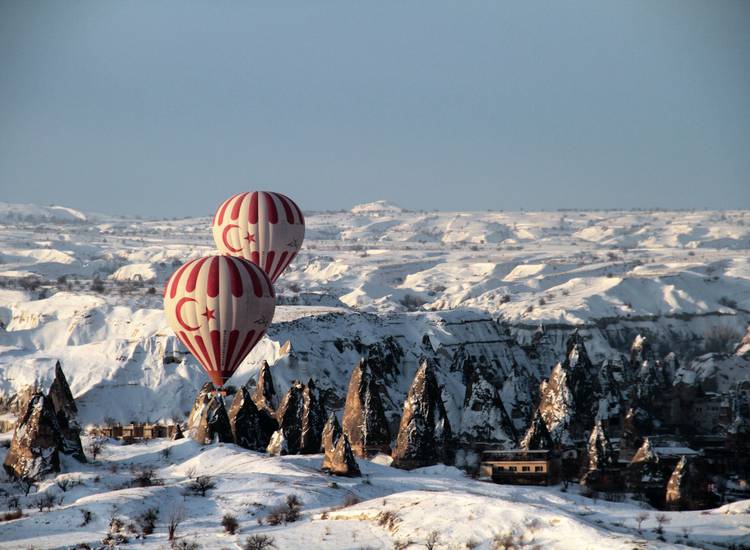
(219, 307)
(264, 228)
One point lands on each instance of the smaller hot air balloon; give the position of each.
(219, 307)
(265, 228)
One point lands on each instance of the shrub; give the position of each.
(176, 516)
(288, 512)
(95, 448)
(45, 500)
(9, 516)
(229, 523)
(145, 477)
(387, 518)
(259, 542)
(432, 540)
(185, 545)
(147, 521)
(201, 485)
(86, 516)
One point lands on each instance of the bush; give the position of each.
(147, 521)
(45, 500)
(185, 545)
(145, 477)
(229, 523)
(87, 516)
(387, 518)
(259, 542)
(9, 516)
(201, 485)
(288, 512)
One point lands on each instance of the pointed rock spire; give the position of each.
(601, 455)
(209, 419)
(424, 432)
(341, 461)
(331, 433)
(265, 392)
(244, 420)
(364, 420)
(65, 408)
(537, 437)
(313, 419)
(34, 449)
(289, 416)
(484, 419)
(688, 486)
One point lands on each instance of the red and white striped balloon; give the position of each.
(219, 307)
(263, 227)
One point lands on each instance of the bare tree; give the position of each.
(433, 539)
(259, 542)
(176, 516)
(661, 521)
(201, 485)
(640, 518)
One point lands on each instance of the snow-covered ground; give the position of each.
(341, 513)
(86, 289)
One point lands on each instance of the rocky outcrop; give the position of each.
(537, 437)
(208, 419)
(601, 474)
(688, 486)
(424, 433)
(36, 441)
(313, 420)
(287, 439)
(567, 401)
(364, 420)
(340, 460)
(484, 420)
(66, 411)
(265, 392)
(644, 473)
(519, 394)
(244, 421)
(331, 433)
(266, 401)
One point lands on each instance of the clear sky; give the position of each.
(166, 108)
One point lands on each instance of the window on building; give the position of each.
(538, 468)
(512, 468)
(525, 469)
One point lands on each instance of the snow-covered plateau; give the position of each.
(394, 286)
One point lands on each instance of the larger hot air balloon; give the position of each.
(262, 227)
(219, 307)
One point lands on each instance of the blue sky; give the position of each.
(166, 108)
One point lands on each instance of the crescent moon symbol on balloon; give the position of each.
(178, 313)
(224, 237)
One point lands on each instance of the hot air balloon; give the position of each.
(219, 307)
(262, 227)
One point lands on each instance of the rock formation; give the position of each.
(66, 411)
(313, 420)
(602, 474)
(687, 488)
(36, 440)
(244, 420)
(331, 433)
(364, 420)
(266, 401)
(484, 419)
(537, 437)
(645, 474)
(424, 433)
(208, 419)
(289, 416)
(340, 460)
(567, 401)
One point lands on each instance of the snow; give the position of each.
(248, 484)
(481, 280)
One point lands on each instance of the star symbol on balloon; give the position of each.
(250, 237)
(209, 314)
(294, 244)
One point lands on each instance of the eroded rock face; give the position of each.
(484, 420)
(424, 432)
(37, 438)
(209, 420)
(340, 460)
(313, 420)
(600, 452)
(66, 411)
(266, 401)
(688, 488)
(244, 420)
(289, 416)
(278, 444)
(331, 433)
(364, 420)
(537, 437)
(644, 471)
(567, 404)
